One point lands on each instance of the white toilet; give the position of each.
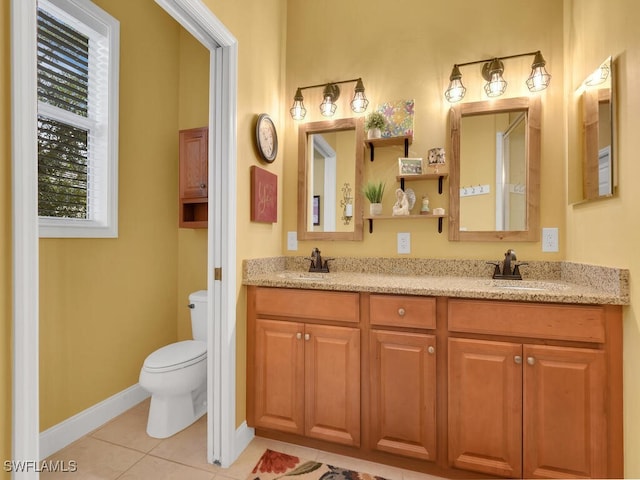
(176, 377)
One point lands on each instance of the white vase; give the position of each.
(375, 209)
(374, 133)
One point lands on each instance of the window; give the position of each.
(78, 54)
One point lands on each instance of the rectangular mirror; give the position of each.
(495, 170)
(330, 155)
(598, 133)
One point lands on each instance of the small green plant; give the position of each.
(374, 191)
(375, 120)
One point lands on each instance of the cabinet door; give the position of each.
(332, 361)
(279, 376)
(564, 413)
(403, 393)
(193, 162)
(485, 406)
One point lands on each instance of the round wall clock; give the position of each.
(266, 138)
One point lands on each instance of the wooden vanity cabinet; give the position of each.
(530, 409)
(454, 387)
(402, 367)
(193, 202)
(306, 375)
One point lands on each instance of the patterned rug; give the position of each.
(273, 465)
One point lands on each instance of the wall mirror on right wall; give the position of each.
(494, 176)
(595, 162)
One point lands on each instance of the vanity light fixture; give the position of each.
(492, 70)
(330, 94)
(599, 76)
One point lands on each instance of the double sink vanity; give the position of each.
(432, 365)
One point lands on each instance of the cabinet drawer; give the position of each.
(558, 322)
(403, 311)
(301, 304)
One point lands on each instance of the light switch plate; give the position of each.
(404, 242)
(292, 240)
(550, 239)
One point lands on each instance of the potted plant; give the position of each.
(374, 123)
(374, 192)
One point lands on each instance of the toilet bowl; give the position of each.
(176, 377)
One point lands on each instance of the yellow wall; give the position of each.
(105, 304)
(5, 237)
(406, 50)
(607, 232)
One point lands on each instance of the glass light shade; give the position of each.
(496, 86)
(456, 91)
(298, 111)
(599, 76)
(359, 103)
(539, 79)
(327, 107)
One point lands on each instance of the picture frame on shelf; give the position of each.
(410, 166)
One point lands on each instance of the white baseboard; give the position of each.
(244, 435)
(73, 428)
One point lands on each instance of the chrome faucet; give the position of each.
(317, 264)
(508, 273)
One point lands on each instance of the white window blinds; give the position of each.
(77, 120)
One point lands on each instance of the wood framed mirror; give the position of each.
(494, 178)
(330, 162)
(598, 133)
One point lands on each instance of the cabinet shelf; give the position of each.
(424, 176)
(405, 140)
(404, 217)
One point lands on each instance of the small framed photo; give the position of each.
(316, 209)
(410, 166)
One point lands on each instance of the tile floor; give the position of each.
(122, 450)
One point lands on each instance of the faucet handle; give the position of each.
(496, 270)
(516, 269)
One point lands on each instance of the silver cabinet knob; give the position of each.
(517, 359)
(431, 349)
(531, 360)
(202, 185)
(299, 336)
(401, 312)
(307, 336)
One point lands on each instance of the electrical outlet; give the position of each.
(404, 243)
(292, 240)
(550, 239)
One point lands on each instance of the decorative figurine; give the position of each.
(401, 206)
(425, 210)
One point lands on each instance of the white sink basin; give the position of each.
(307, 276)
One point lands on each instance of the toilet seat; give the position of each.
(176, 356)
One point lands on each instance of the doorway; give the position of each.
(195, 17)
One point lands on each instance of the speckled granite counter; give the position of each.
(559, 282)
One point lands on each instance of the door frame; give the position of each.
(198, 20)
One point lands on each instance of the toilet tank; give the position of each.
(198, 306)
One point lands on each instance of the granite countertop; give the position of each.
(558, 282)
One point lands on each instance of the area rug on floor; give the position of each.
(273, 465)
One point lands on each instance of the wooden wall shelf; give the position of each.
(405, 140)
(404, 217)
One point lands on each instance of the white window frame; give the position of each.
(101, 28)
